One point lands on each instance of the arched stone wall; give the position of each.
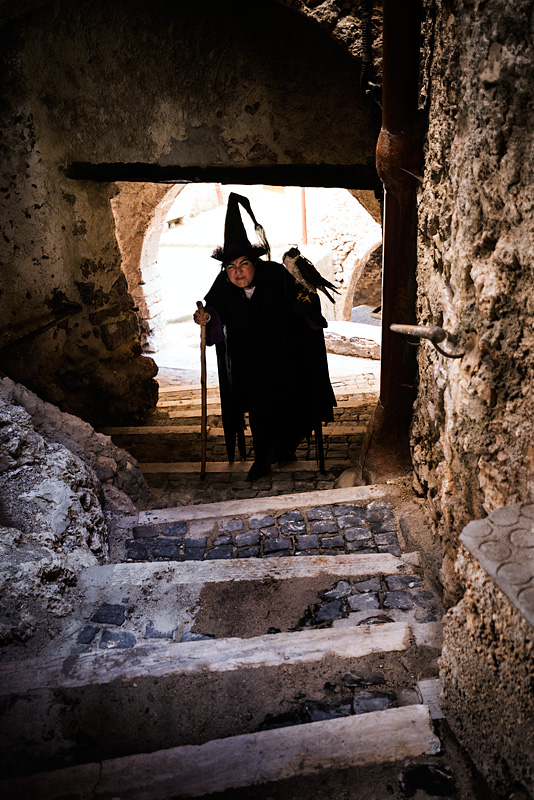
(352, 233)
(170, 86)
(140, 210)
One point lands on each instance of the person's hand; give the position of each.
(201, 316)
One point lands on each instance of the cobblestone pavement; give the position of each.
(322, 530)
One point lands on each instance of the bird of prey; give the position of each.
(305, 273)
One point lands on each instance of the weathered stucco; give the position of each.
(487, 665)
(474, 427)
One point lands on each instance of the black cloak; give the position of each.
(272, 363)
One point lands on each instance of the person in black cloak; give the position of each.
(271, 355)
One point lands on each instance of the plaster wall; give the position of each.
(167, 85)
(486, 667)
(473, 430)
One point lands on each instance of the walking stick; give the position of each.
(204, 398)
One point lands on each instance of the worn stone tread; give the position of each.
(250, 759)
(216, 655)
(170, 574)
(260, 505)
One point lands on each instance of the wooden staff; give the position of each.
(204, 398)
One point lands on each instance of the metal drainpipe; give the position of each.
(398, 159)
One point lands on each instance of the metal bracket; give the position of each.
(434, 335)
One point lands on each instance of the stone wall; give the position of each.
(169, 86)
(63, 487)
(474, 427)
(352, 234)
(140, 210)
(486, 668)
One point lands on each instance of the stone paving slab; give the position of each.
(430, 691)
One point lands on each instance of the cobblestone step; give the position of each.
(318, 530)
(305, 523)
(362, 495)
(386, 737)
(129, 606)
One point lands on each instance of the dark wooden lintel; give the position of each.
(360, 176)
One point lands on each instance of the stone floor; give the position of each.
(320, 530)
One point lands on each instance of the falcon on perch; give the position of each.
(305, 273)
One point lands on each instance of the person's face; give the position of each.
(240, 271)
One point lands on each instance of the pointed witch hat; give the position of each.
(236, 242)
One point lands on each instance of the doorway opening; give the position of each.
(330, 227)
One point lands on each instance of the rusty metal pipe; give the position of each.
(398, 160)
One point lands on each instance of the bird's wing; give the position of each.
(312, 275)
(291, 264)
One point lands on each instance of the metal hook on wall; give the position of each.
(434, 335)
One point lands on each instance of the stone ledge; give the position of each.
(229, 508)
(386, 736)
(503, 544)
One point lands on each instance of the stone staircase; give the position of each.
(279, 645)
(168, 447)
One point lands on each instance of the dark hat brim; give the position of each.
(231, 251)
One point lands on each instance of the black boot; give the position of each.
(257, 471)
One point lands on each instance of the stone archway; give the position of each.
(341, 223)
(170, 93)
(140, 210)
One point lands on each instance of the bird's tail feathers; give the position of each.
(322, 289)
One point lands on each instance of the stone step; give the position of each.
(384, 737)
(353, 495)
(339, 429)
(134, 604)
(359, 384)
(319, 530)
(301, 523)
(162, 443)
(196, 691)
(193, 400)
(237, 468)
(172, 489)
